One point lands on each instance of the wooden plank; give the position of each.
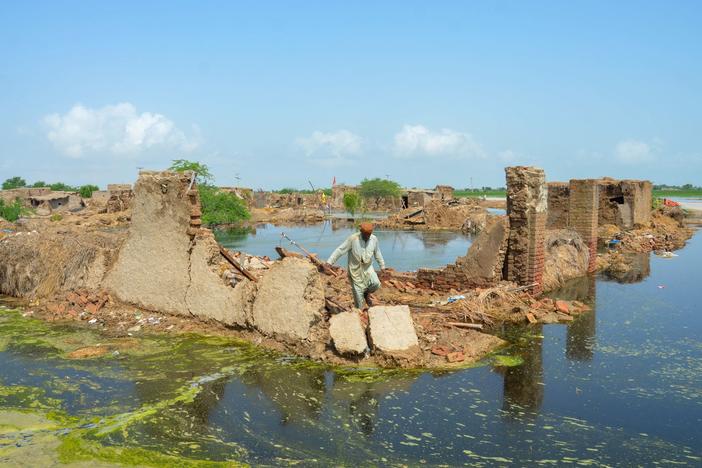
(225, 253)
(472, 326)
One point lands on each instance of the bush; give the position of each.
(352, 202)
(86, 191)
(220, 207)
(14, 182)
(39, 183)
(11, 212)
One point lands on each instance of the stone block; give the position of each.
(347, 333)
(392, 329)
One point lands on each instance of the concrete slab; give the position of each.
(392, 329)
(347, 333)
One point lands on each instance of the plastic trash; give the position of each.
(666, 254)
(455, 298)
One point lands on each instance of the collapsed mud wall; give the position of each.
(39, 264)
(169, 264)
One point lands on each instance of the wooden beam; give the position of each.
(225, 253)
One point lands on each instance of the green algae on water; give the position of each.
(501, 360)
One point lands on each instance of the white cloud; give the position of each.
(415, 140)
(331, 148)
(635, 151)
(116, 129)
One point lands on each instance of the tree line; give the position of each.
(85, 191)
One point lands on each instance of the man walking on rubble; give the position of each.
(362, 247)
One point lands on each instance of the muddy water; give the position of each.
(619, 386)
(402, 250)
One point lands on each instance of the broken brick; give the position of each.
(458, 356)
(562, 306)
(440, 350)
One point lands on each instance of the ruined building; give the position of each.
(623, 203)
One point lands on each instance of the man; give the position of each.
(362, 247)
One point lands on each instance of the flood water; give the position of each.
(619, 386)
(402, 250)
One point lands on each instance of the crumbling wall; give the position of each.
(152, 270)
(625, 203)
(445, 192)
(480, 267)
(583, 214)
(119, 198)
(639, 195)
(170, 264)
(558, 203)
(527, 212)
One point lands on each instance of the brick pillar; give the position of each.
(526, 210)
(583, 213)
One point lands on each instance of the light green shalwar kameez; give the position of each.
(362, 276)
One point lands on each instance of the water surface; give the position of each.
(402, 250)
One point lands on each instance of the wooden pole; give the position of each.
(225, 253)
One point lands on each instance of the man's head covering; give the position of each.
(366, 228)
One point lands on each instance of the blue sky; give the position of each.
(280, 93)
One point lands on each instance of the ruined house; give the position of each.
(120, 197)
(412, 198)
(242, 193)
(54, 202)
(623, 203)
(445, 192)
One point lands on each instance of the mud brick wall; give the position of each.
(583, 214)
(638, 194)
(195, 211)
(558, 203)
(527, 213)
(442, 279)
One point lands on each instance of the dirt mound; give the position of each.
(286, 215)
(464, 214)
(665, 232)
(566, 257)
(39, 264)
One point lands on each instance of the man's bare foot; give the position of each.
(369, 299)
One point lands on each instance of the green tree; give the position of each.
(86, 191)
(218, 207)
(61, 187)
(39, 183)
(203, 177)
(14, 182)
(378, 189)
(352, 202)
